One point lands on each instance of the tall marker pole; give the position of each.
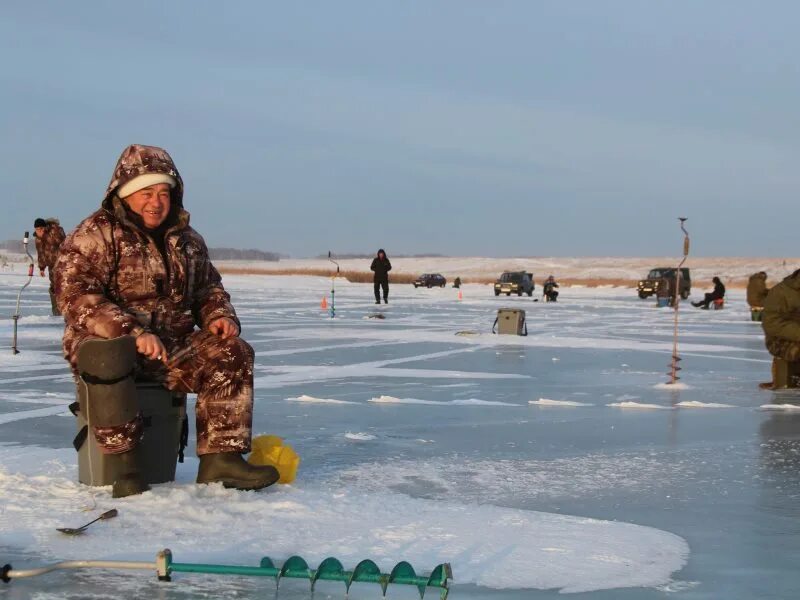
(333, 285)
(674, 368)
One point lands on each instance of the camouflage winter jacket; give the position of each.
(47, 246)
(112, 280)
(781, 317)
(757, 290)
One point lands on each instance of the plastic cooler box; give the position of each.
(165, 431)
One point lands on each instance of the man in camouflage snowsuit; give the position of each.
(135, 267)
(49, 236)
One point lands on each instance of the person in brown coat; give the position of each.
(757, 290)
(49, 236)
(135, 267)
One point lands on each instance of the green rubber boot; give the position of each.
(130, 481)
(233, 471)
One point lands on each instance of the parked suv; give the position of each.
(514, 282)
(649, 286)
(430, 280)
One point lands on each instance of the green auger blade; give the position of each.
(439, 578)
(366, 571)
(329, 569)
(295, 567)
(403, 572)
(267, 564)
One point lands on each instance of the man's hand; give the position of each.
(152, 347)
(41, 272)
(224, 327)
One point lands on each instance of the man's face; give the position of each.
(39, 231)
(151, 203)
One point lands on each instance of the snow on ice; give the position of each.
(418, 444)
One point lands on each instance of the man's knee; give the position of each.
(233, 351)
(243, 350)
(786, 349)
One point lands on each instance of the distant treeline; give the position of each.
(16, 246)
(216, 253)
(370, 256)
(238, 254)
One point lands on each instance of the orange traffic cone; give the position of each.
(460, 295)
(324, 304)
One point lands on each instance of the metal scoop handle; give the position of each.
(109, 514)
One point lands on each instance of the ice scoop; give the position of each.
(109, 514)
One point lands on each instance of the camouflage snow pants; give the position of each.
(220, 372)
(50, 274)
(52, 290)
(788, 350)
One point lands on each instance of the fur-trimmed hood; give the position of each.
(138, 160)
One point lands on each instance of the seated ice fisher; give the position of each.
(717, 294)
(549, 289)
(135, 267)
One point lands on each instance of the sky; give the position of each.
(464, 128)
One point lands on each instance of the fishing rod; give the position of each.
(333, 285)
(19, 295)
(674, 368)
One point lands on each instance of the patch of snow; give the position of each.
(315, 519)
(359, 436)
(468, 402)
(547, 402)
(313, 400)
(671, 386)
(642, 405)
(697, 404)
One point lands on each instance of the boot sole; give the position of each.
(135, 492)
(236, 484)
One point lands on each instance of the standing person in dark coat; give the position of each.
(717, 294)
(381, 267)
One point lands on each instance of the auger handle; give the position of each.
(7, 573)
(15, 317)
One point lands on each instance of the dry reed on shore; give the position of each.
(408, 278)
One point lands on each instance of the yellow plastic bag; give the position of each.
(270, 450)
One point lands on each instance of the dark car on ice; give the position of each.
(430, 280)
(656, 277)
(514, 282)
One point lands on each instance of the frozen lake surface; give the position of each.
(536, 466)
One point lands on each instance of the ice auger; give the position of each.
(673, 365)
(294, 567)
(333, 285)
(15, 317)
